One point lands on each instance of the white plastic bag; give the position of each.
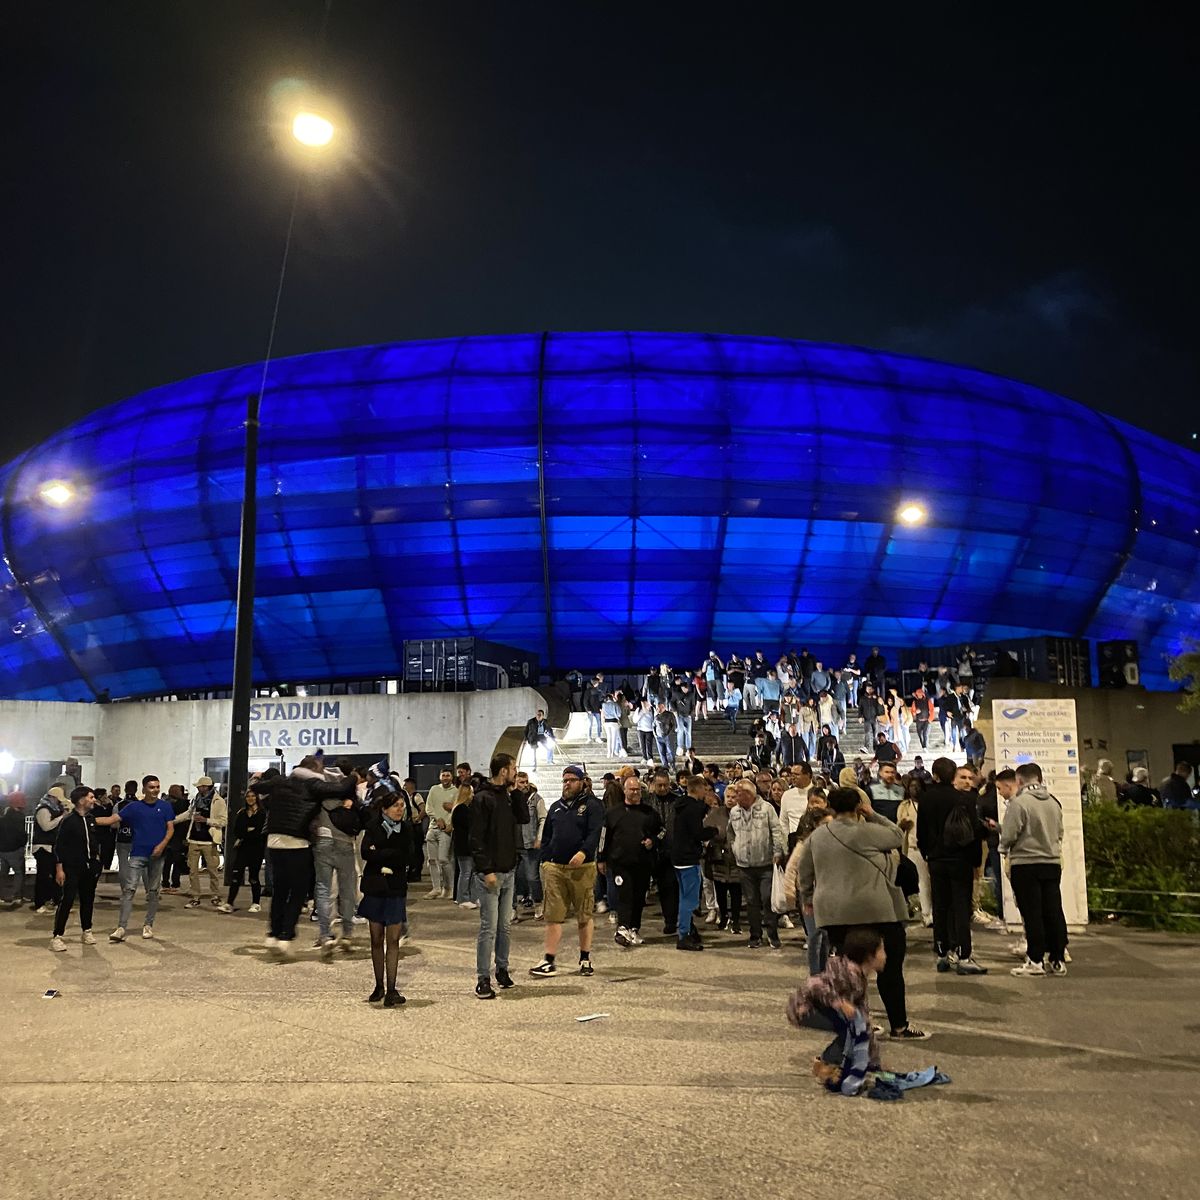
(779, 903)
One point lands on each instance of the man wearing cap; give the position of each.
(205, 828)
(570, 837)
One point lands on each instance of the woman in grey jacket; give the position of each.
(847, 877)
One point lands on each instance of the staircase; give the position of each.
(712, 741)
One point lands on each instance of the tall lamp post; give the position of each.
(313, 132)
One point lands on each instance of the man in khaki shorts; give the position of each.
(570, 837)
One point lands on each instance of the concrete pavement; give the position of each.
(194, 1065)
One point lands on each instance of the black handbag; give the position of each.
(346, 820)
(907, 879)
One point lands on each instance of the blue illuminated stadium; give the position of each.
(603, 499)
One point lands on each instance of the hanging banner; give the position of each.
(1045, 732)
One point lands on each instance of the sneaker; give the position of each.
(377, 995)
(446, 894)
(393, 999)
(484, 989)
(774, 942)
(433, 894)
(984, 920)
(504, 979)
(544, 969)
(585, 967)
(227, 908)
(670, 929)
(469, 904)
(1058, 969)
(785, 922)
(910, 1033)
(612, 918)
(41, 910)
(711, 917)
(147, 932)
(56, 943)
(754, 944)
(736, 930)
(88, 938)
(601, 906)
(1028, 969)
(286, 948)
(943, 964)
(688, 944)
(194, 902)
(272, 944)
(1066, 956)
(359, 920)
(117, 935)
(215, 901)
(968, 966)
(635, 936)
(527, 903)
(1019, 950)
(255, 908)
(325, 946)
(346, 944)
(622, 938)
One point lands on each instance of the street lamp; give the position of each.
(911, 512)
(314, 132)
(57, 492)
(311, 129)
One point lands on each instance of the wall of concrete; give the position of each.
(172, 740)
(1123, 719)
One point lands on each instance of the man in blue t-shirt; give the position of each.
(151, 821)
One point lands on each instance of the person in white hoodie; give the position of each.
(1031, 836)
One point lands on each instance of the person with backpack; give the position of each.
(950, 837)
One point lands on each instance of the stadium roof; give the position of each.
(603, 499)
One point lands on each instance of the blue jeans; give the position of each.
(468, 885)
(148, 872)
(495, 915)
(666, 752)
(818, 945)
(529, 875)
(331, 856)
(547, 744)
(689, 897)
(810, 742)
(731, 714)
(683, 734)
(595, 725)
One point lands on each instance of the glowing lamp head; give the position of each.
(911, 513)
(7, 762)
(57, 492)
(310, 129)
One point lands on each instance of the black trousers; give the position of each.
(291, 870)
(668, 890)
(45, 888)
(729, 901)
(952, 888)
(83, 885)
(247, 861)
(173, 860)
(631, 892)
(923, 733)
(756, 889)
(1037, 888)
(646, 738)
(890, 980)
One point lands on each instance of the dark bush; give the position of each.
(1138, 861)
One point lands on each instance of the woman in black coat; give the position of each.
(386, 852)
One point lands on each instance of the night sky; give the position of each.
(1004, 188)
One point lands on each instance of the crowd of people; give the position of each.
(736, 849)
(798, 703)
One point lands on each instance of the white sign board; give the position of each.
(1044, 732)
